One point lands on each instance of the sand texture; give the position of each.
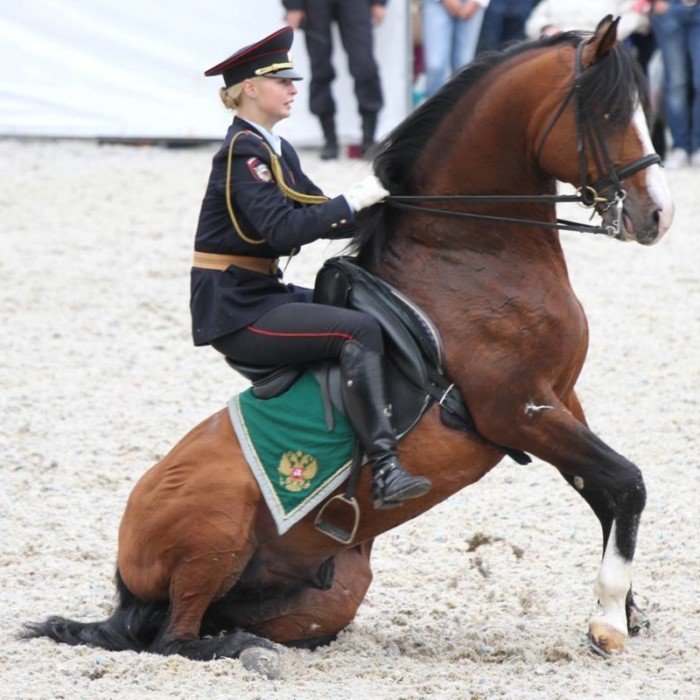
(99, 379)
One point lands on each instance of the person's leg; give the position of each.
(437, 44)
(319, 45)
(693, 34)
(297, 333)
(670, 35)
(465, 40)
(492, 27)
(355, 25)
(514, 22)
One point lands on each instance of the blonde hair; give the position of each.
(231, 96)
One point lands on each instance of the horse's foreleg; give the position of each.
(602, 505)
(315, 617)
(611, 484)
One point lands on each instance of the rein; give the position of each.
(587, 195)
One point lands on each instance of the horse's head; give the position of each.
(596, 137)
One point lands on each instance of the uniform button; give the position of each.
(343, 221)
(334, 225)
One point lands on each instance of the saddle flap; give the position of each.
(341, 282)
(403, 350)
(268, 381)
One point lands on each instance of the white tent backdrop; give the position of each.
(134, 69)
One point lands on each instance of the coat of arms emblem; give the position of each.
(297, 470)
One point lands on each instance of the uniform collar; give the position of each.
(274, 140)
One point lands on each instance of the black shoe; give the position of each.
(392, 485)
(369, 126)
(329, 150)
(366, 148)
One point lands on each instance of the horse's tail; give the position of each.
(132, 626)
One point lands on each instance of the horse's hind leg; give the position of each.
(203, 574)
(610, 483)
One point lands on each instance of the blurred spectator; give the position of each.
(354, 19)
(676, 25)
(644, 45)
(450, 34)
(554, 16)
(504, 22)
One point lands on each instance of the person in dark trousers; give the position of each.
(504, 22)
(259, 204)
(354, 19)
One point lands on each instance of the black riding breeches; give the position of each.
(297, 332)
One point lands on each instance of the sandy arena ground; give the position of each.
(99, 379)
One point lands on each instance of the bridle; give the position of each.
(588, 195)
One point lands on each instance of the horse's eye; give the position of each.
(612, 116)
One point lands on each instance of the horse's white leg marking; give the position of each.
(531, 408)
(656, 180)
(612, 585)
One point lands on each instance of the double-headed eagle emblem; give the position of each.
(297, 470)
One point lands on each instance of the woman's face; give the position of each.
(273, 97)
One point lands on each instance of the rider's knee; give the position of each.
(368, 333)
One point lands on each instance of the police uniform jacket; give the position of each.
(270, 224)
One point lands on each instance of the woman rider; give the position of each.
(259, 205)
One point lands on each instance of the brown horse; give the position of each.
(198, 551)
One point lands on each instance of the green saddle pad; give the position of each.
(296, 460)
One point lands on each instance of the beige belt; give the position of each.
(216, 261)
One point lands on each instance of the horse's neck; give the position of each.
(487, 144)
(480, 148)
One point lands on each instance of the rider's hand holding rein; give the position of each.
(366, 193)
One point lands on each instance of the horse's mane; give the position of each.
(610, 87)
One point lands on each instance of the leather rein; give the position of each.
(587, 195)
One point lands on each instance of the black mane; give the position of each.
(611, 87)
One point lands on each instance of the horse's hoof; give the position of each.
(266, 662)
(605, 639)
(637, 621)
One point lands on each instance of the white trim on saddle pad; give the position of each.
(283, 521)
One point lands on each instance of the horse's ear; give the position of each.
(602, 41)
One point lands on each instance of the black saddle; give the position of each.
(415, 357)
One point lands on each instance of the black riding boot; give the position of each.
(330, 147)
(369, 126)
(365, 400)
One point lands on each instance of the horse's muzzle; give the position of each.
(644, 222)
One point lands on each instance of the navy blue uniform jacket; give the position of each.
(223, 302)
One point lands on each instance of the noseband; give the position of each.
(588, 195)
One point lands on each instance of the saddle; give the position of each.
(415, 356)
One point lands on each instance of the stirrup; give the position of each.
(336, 532)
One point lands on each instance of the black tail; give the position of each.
(133, 625)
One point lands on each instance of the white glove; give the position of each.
(365, 193)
